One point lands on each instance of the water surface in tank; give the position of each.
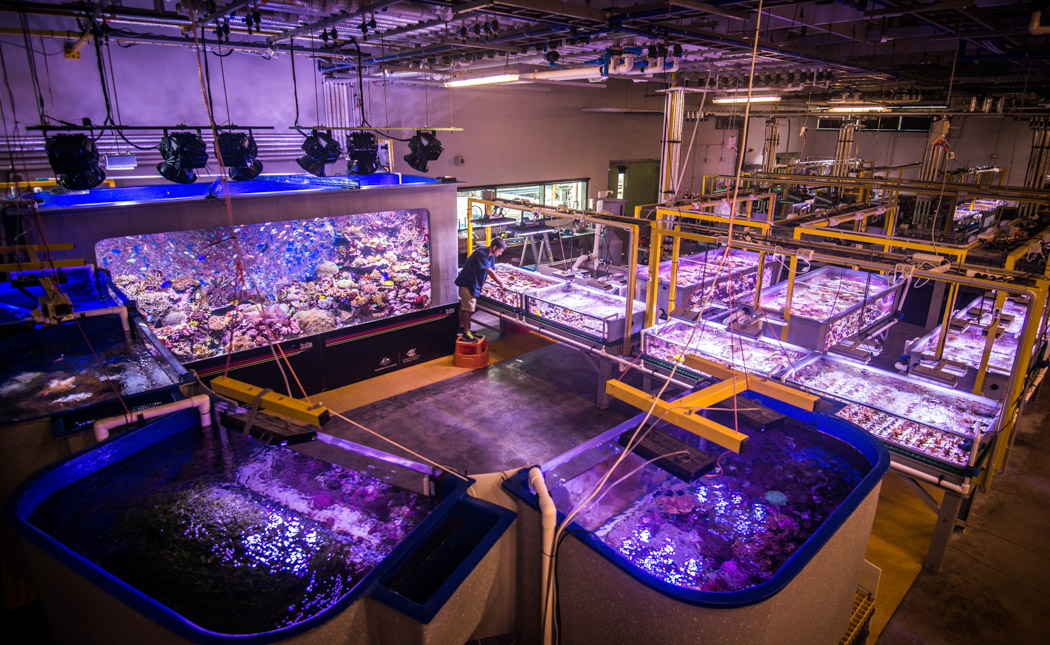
(730, 529)
(236, 536)
(54, 370)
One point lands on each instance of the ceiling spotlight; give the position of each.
(362, 153)
(238, 152)
(424, 147)
(183, 153)
(320, 149)
(74, 158)
(552, 56)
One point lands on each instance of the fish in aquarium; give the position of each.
(302, 277)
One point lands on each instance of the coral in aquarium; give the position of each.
(755, 355)
(589, 311)
(925, 404)
(236, 536)
(303, 277)
(727, 531)
(518, 281)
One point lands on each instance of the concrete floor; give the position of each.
(497, 418)
(994, 586)
(537, 400)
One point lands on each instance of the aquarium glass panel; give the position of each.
(237, 536)
(304, 277)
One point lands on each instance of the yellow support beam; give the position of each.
(271, 401)
(673, 413)
(36, 266)
(765, 387)
(713, 394)
(35, 248)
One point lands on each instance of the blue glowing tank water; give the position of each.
(730, 529)
(236, 536)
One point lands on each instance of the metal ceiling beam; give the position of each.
(905, 10)
(331, 20)
(547, 6)
(712, 9)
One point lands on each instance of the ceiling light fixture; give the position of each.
(362, 153)
(744, 99)
(74, 158)
(238, 151)
(424, 147)
(482, 80)
(183, 153)
(321, 149)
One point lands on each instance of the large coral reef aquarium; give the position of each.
(301, 277)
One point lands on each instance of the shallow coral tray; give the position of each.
(932, 405)
(597, 315)
(518, 282)
(979, 312)
(669, 342)
(695, 269)
(968, 347)
(909, 435)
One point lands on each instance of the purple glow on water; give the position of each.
(235, 536)
(727, 531)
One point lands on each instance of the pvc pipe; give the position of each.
(201, 401)
(1035, 28)
(963, 489)
(122, 312)
(549, 521)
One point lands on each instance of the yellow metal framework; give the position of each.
(1034, 289)
(625, 224)
(271, 401)
(686, 412)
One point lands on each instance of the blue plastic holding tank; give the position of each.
(765, 549)
(173, 533)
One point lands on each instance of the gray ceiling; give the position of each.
(820, 49)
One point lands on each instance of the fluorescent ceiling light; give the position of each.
(744, 99)
(482, 80)
(856, 108)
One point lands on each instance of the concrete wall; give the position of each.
(510, 134)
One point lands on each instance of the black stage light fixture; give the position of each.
(74, 158)
(362, 153)
(425, 147)
(320, 149)
(239, 151)
(183, 153)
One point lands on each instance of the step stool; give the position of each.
(471, 355)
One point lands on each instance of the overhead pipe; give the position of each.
(202, 402)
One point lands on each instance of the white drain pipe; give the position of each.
(201, 401)
(549, 521)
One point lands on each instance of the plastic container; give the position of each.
(630, 592)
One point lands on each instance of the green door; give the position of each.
(635, 182)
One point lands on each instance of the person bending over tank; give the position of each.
(471, 278)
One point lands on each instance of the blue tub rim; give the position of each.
(868, 446)
(55, 476)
